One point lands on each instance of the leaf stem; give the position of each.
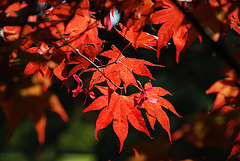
(126, 47)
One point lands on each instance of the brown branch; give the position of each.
(219, 47)
(88, 60)
(84, 57)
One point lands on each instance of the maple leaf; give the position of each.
(151, 100)
(228, 100)
(119, 109)
(61, 71)
(227, 91)
(32, 103)
(87, 34)
(87, 50)
(42, 70)
(211, 25)
(11, 33)
(236, 147)
(73, 28)
(74, 33)
(231, 9)
(173, 25)
(139, 18)
(88, 37)
(13, 8)
(142, 39)
(75, 59)
(98, 77)
(122, 68)
(183, 33)
(60, 56)
(61, 11)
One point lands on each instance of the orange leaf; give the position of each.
(150, 99)
(87, 50)
(11, 10)
(73, 28)
(119, 109)
(138, 39)
(236, 147)
(11, 33)
(172, 18)
(227, 91)
(123, 68)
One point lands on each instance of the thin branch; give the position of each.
(88, 60)
(84, 57)
(125, 48)
(141, 89)
(218, 46)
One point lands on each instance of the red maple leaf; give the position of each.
(151, 100)
(42, 71)
(13, 8)
(11, 33)
(227, 91)
(139, 17)
(231, 9)
(142, 39)
(80, 63)
(88, 51)
(121, 67)
(60, 12)
(119, 109)
(73, 28)
(236, 147)
(70, 29)
(172, 20)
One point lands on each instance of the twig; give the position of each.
(84, 57)
(88, 60)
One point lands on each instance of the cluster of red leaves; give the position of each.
(227, 89)
(228, 99)
(120, 108)
(64, 34)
